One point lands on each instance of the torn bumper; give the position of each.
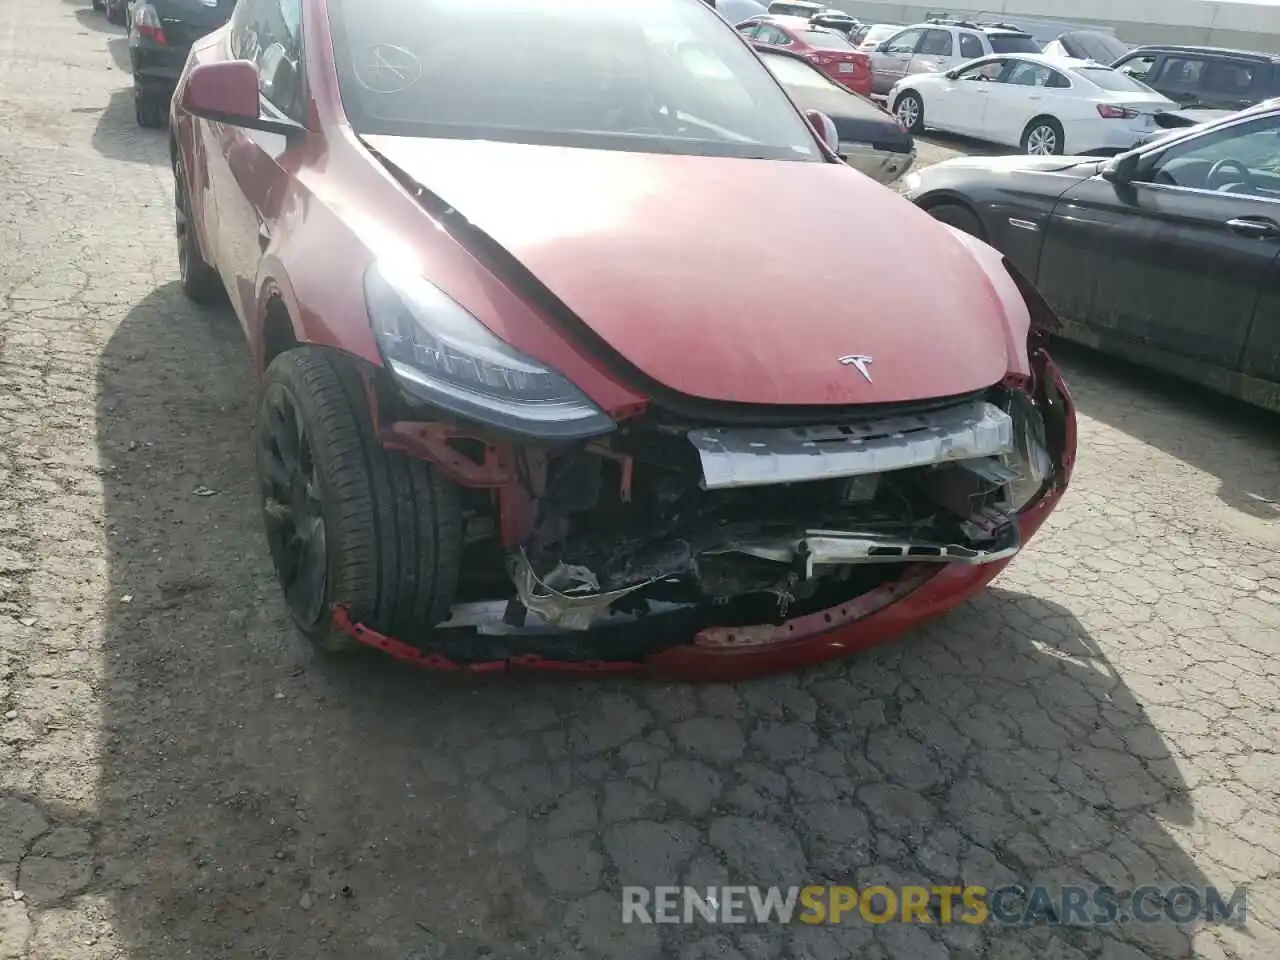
(927, 587)
(924, 592)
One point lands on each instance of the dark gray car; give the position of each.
(1168, 255)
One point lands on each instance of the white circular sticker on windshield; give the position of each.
(386, 68)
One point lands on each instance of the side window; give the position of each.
(1026, 74)
(1140, 68)
(936, 43)
(1239, 152)
(989, 71)
(1058, 81)
(905, 42)
(970, 46)
(269, 32)
(772, 35)
(243, 39)
(1181, 73)
(749, 30)
(1229, 77)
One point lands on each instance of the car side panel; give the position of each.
(1261, 360)
(1157, 266)
(1009, 108)
(1014, 214)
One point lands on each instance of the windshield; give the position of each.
(1012, 43)
(650, 76)
(1114, 80)
(825, 40)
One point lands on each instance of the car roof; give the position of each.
(991, 29)
(1148, 48)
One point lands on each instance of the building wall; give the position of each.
(1243, 25)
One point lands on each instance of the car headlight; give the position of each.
(441, 354)
(909, 185)
(1030, 454)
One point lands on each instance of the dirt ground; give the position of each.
(180, 776)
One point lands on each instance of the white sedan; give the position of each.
(1041, 104)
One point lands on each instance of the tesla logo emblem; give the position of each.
(859, 363)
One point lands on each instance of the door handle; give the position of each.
(1260, 228)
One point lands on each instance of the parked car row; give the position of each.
(161, 33)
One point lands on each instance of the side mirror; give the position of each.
(882, 47)
(951, 74)
(227, 92)
(825, 128)
(1120, 169)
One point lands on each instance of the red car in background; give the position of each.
(828, 50)
(534, 387)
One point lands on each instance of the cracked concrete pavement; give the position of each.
(181, 776)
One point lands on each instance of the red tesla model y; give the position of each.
(575, 349)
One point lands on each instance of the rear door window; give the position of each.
(1181, 74)
(936, 43)
(1026, 74)
(971, 46)
(1229, 78)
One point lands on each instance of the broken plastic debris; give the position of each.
(204, 492)
(127, 598)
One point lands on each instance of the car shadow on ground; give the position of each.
(118, 136)
(258, 801)
(1243, 442)
(118, 47)
(965, 146)
(94, 20)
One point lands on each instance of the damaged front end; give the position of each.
(671, 532)
(755, 525)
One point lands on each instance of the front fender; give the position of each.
(1015, 311)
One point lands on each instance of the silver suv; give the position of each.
(938, 45)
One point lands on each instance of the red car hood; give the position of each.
(734, 280)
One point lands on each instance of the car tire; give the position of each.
(200, 281)
(1045, 132)
(389, 526)
(960, 217)
(909, 102)
(150, 111)
(115, 14)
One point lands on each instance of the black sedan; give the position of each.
(871, 139)
(1166, 255)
